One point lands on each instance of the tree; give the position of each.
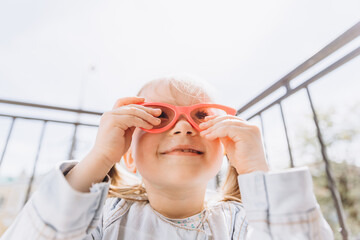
(341, 134)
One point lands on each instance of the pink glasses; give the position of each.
(195, 114)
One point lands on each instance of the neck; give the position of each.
(176, 203)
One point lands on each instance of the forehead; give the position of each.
(168, 93)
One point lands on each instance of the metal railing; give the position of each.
(44, 121)
(284, 82)
(338, 43)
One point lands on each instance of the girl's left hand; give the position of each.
(241, 139)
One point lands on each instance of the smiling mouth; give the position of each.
(184, 153)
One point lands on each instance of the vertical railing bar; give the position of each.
(333, 189)
(287, 135)
(288, 88)
(217, 180)
(263, 136)
(35, 163)
(73, 143)
(219, 176)
(7, 140)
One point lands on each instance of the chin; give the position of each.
(185, 176)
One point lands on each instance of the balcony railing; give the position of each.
(284, 83)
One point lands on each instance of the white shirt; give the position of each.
(276, 205)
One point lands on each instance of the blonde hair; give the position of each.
(127, 186)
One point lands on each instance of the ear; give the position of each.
(129, 161)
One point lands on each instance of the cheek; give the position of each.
(216, 148)
(218, 153)
(145, 146)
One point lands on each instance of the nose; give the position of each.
(183, 127)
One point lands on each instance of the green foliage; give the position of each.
(347, 179)
(340, 133)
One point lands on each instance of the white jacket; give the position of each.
(277, 205)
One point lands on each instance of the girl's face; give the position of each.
(178, 169)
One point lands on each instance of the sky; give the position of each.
(89, 53)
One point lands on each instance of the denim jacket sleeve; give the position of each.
(57, 211)
(282, 205)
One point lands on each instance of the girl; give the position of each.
(174, 138)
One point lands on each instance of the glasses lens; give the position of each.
(167, 114)
(199, 114)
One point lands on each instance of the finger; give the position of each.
(224, 131)
(218, 133)
(127, 100)
(128, 121)
(212, 122)
(227, 123)
(212, 128)
(214, 116)
(137, 112)
(151, 110)
(210, 117)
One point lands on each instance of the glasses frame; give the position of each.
(186, 110)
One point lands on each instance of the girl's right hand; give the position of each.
(117, 126)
